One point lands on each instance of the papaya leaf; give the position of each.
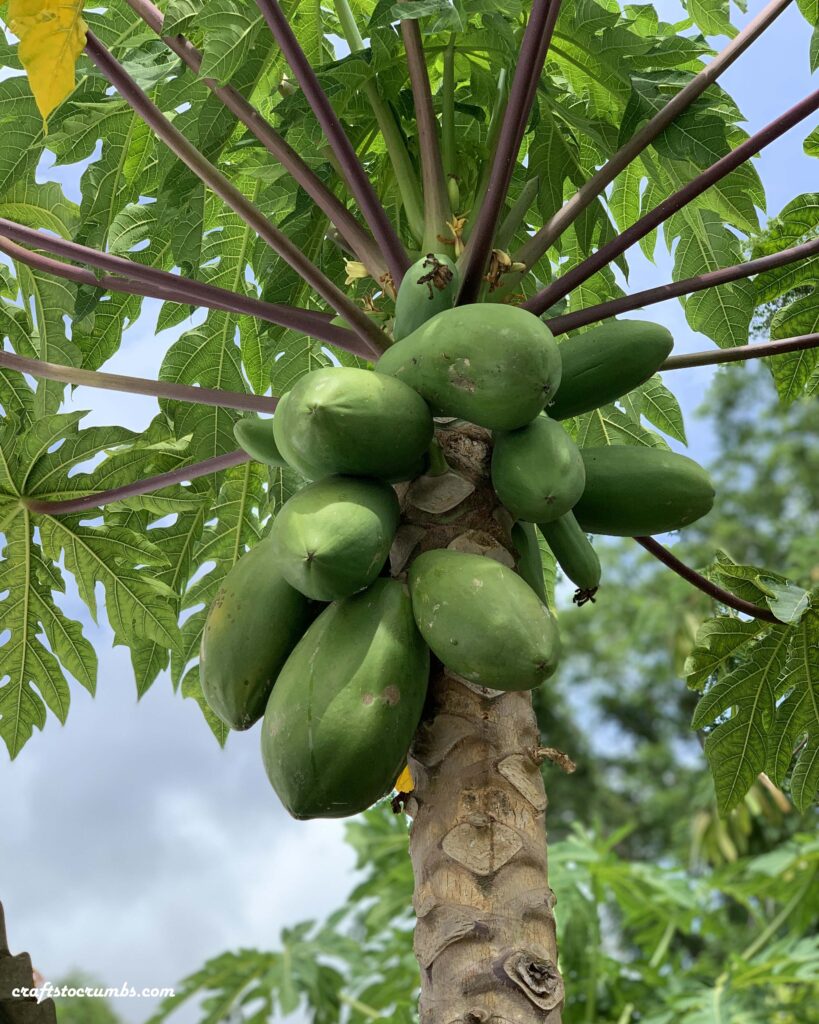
(736, 747)
(719, 642)
(712, 16)
(797, 716)
(787, 601)
(231, 30)
(724, 313)
(659, 406)
(40, 460)
(742, 580)
(207, 356)
(610, 425)
(52, 37)
(810, 9)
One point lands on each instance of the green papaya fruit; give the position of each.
(254, 622)
(429, 287)
(638, 491)
(333, 537)
(482, 620)
(530, 565)
(342, 420)
(537, 471)
(255, 436)
(493, 365)
(575, 555)
(607, 362)
(346, 705)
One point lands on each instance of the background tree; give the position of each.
(623, 100)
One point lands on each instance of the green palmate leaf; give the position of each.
(22, 130)
(610, 425)
(122, 172)
(207, 356)
(231, 28)
(39, 460)
(424, 8)
(658, 405)
(794, 290)
(793, 371)
(737, 748)
(797, 716)
(33, 672)
(810, 8)
(720, 641)
(724, 313)
(742, 580)
(787, 601)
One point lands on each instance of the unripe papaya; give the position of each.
(255, 436)
(254, 622)
(638, 491)
(530, 564)
(482, 620)
(575, 555)
(496, 366)
(333, 537)
(355, 422)
(429, 287)
(346, 705)
(606, 363)
(537, 471)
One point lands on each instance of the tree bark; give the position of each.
(16, 972)
(485, 933)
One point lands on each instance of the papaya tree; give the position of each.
(401, 230)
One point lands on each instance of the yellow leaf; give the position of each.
(52, 36)
(405, 783)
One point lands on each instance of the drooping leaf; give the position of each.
(52, 36)
(736, 748)
(797, 717)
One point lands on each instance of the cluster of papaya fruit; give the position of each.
(319, 633)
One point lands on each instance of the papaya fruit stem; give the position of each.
(438, 466)
(437, 209)
(672, 290)
(561, 287)
(705, 585)
(365, 195)
(542, 241)
(531, 59)
(359, 240)
(148, 485)
(135, 279)
(233, 197)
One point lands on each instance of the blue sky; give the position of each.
(138, 848)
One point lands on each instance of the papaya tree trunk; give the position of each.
(485, 933)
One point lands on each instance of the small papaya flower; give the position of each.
(355, 271)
